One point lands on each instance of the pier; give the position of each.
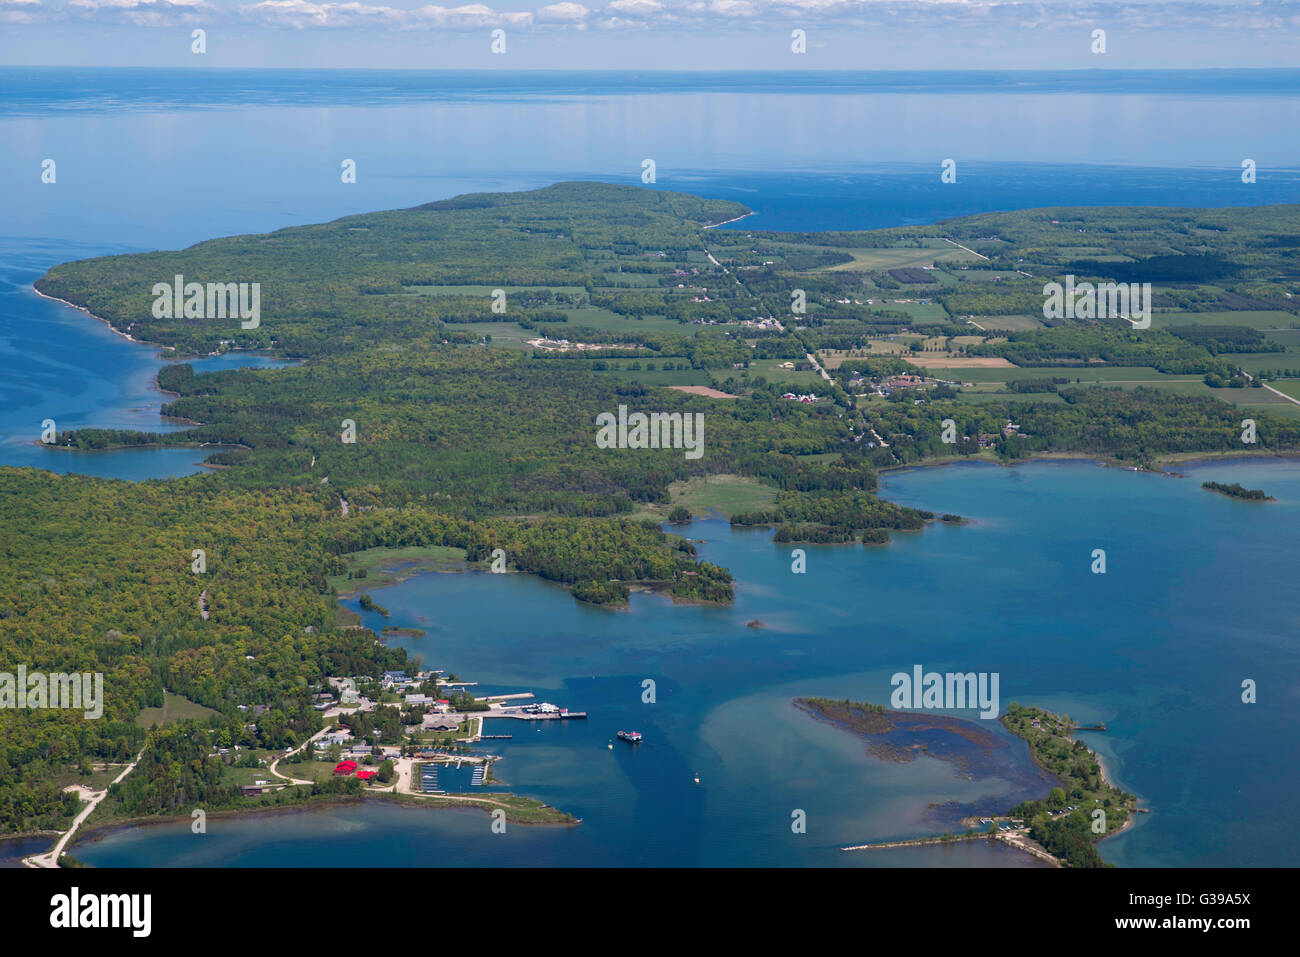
(524, 716)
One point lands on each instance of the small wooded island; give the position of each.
(1237, 490)
(1080, 809)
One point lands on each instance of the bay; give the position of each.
(1195, 599)
(1156, 649)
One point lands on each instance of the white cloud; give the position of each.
(301, 14)
(140, 13)
(562, 13)
(634, 8)
(469, 15)
(1254, 15)
(724, 8)
(20, 11)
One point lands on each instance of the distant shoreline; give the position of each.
(736, 220)
(94, 833)
(125, 335)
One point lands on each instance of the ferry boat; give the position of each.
(631, 737)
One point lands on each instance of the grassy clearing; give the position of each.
(920, 313)
(658, 375)
(1012, 323)
(605, 320)
(486, 291)
(1289, 387)
(508, 334)
(174, 708)
(891, 257)
(320, 771)
(770, 369)
(1271, 319)
(724, 494)
(379, 564)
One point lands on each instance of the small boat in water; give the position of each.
(697, 777)
(611, 745)
(631, 737)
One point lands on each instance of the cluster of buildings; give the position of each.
(806, 399)
(347, 769)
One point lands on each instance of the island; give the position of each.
(1081, 807)
(1237, 490)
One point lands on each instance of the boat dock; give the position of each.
(531, 716)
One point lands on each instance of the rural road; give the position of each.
(51, 857)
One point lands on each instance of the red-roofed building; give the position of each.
(346, 768)
(366, 775)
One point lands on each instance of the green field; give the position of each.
(658, 376)
(379, 563)
(770, 369)
(511, 335)
(724, 494)
(174, 708)
(486, 291)
(638, 280)
(890, 257)
(920, 313)
(1013, 323)
(1093, 375)
(303, 771)
(1274, 319)
(605, 320)
(1290, 387)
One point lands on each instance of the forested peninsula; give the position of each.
(455, 357)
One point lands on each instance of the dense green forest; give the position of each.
(443, 400)
(1086, 808)
(1237, 490)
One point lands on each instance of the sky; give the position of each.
(653, 34)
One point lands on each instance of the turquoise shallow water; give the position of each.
(1196, 598)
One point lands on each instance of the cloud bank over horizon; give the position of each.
(888, 33)
(1265, 15)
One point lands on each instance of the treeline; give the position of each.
(831, 516)
(1078, 345)
(98, 578)
(179, 772)
(1084, 808)
(1237, 490)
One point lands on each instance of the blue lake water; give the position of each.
(1156, 648)
(1196, 598)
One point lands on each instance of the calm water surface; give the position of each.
(1195, 600)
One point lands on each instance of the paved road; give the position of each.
(284, 777)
